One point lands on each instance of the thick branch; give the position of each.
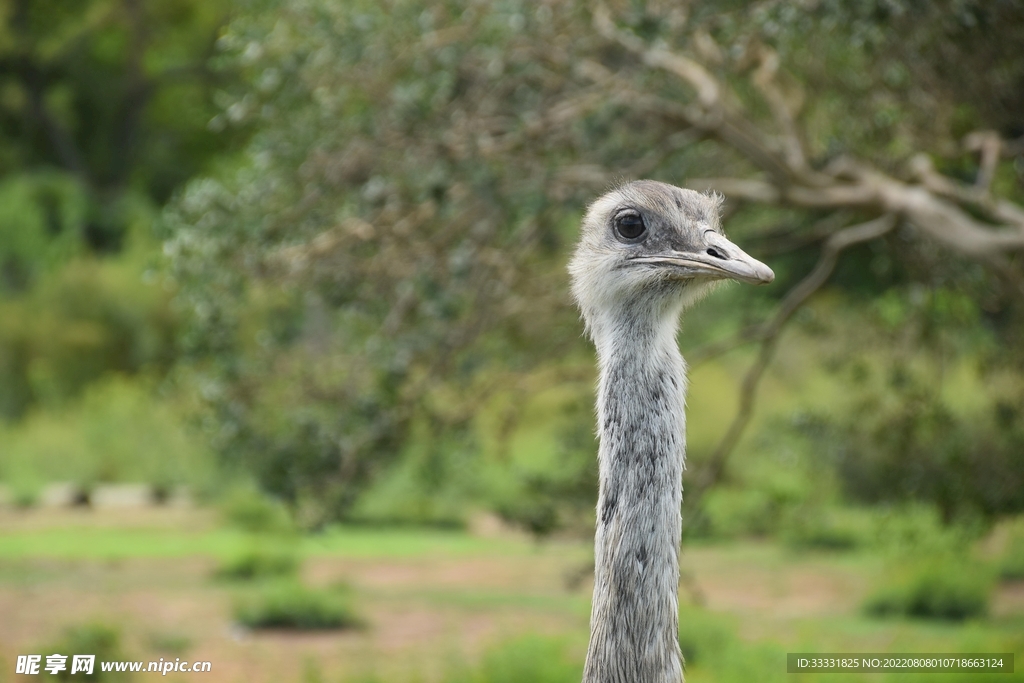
(933, 206)
(764, 79)
(936, 216)
(710, 112)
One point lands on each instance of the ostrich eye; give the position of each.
(629, 226)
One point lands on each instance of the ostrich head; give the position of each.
(655, 248)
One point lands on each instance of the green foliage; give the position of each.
(383, 178)
(119, 431)
(262, 561)
(830, 528)
(93, 639)
(529, 658)
(919, 530)
(117, 95)
(894, 50)
(732, 513)
(712, 650)
(253, 511)
(80, 323)
(290, 605)
(429, 485)
(542, 474)
(704, 638)
(41, 215)
(937, 588)
(922, 451)
(170, 642)
(901, 436)
(1011, 561)
(395, 237)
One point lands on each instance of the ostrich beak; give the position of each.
(718, 258)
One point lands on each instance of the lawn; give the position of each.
(433, 599)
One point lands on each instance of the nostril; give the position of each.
(715, 253)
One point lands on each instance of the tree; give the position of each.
(104, 111)
(395, 245)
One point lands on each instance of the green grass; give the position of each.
(532, 658)
(356, 542)
(749, 644)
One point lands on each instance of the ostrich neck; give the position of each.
(641, 424)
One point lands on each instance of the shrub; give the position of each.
(93, 639)
(1011, 564)
(703, 637)
(829, 529)
(532, 658)
(934, 590)
(731, 513)
(252, 511)
(291, 605)
(918, 449)
(120, 430)
(170, 642)
(258, 563)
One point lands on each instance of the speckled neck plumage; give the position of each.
(647, 251)
(641, 424)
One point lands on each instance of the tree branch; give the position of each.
(933, 207)
(768, 334)
(940, 208)
(764, 80)
(936, 216)
(710, 112)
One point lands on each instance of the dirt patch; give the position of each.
(1008, 599)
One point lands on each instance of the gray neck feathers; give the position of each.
(641, 423)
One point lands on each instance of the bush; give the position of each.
(250, 510)
(920, 450)
(259, 563)
(703, 637)
(89, 639)
(291, 605)
(170, 642)
(119, 431)
(531, 658)
(934, 590)
(732, 513)
(814, 527)
(1011, 564)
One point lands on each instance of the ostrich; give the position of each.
(647, 251)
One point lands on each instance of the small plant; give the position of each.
(290, 605)
(252, 511)
(170, 643)
(259, 563)
(89, 639)
(936, 590)
(703, 637)
(532, 658)
(25, 496)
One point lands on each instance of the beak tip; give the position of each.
(763, 274)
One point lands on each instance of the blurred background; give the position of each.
(290, 380)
